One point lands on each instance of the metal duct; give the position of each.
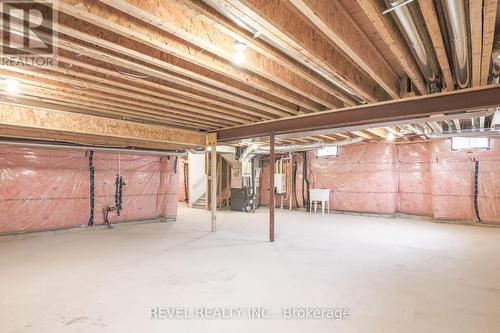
(410, 20)
(495, 57)
(259, 150)
(24, 144)
(455, 14)
(467, 133)
(220, 149)
(201, 151)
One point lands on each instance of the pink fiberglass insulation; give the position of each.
(363, 178)
(453, 182)
(42, 189)
(428, 179)
(414, 178)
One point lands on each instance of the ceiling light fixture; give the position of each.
(12, 86)
(239, 47)
(239, 58)
(239, 55)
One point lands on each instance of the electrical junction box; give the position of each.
(280, 183)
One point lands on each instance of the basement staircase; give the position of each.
(200, 203)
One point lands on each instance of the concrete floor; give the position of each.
(395, 275)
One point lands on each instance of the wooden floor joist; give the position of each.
(119, 109)
(154, 66)
(170, 71)
(282, 23)
(224, 24)
(77, 106)
(489, 22)
(160, 106)
(278, 81)
(95, 83)
(476, 28)
(85, 128)
(169, 93)
(334, 21)
(431, 21)
(209, 85)
(394, 41)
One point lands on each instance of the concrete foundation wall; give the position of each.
(42, 189)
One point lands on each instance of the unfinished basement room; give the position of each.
(250, 166)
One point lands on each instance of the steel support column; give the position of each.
(213, 186)
(212, 143)
(271, 187)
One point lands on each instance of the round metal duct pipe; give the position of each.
(411, 23)
(495, 57)
(487, 132)
(455, 14)
(260, 150)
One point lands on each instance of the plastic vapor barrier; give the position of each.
(42, 189)
(362, 178)
(428, 179)
(414, 178)
(453, 182)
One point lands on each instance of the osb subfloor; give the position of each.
(395, 275)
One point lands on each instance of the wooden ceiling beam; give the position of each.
(68, 77)
(283, 24)
(77, 139)
(39, 102)
(363, 134)
(224, 24)
(201, 81)
(334, 21)
(169, 93)
(255, 109)
(476, 27)
(489, 21)
(67, 105)
(220, 89)
(261, 73)
(87, 127)
(120, 107)
(380, 132)
(161, 109)
(328, 138)
(394, 41)
(434, 29)
(343, 136)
